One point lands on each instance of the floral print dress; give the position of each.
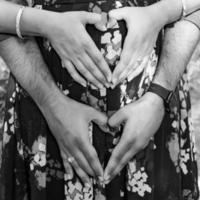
(31, 167)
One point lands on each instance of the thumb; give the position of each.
(99, 118)
(117, 119)
(91, 18)
(118, 14)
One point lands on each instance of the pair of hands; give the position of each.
(82, 58)
(69, 121)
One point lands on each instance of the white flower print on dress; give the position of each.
(184, 158)
(137, 180)
(39, 153)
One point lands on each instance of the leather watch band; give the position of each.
(165, 94)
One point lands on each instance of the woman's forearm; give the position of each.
(34, 22)
(170, 11)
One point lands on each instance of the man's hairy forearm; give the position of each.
(26, 64)
(178, 46)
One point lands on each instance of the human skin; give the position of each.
(179, 42)
(158, 106)
(67, 34)
(142, 34)
(68, 120)
(79, 53)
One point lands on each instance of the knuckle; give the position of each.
(81, 141)
(85, 44)
(87, 75)
(92, 158)
(82, 71)
(92, 69)
(75, 139)
(139, 145)
(98, 60)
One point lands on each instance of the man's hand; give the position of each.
(69, 122)
(67, 119)
(142, 119)
(76, 48)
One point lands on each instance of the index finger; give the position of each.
(120, 155)
(95, 54)
(90, 154)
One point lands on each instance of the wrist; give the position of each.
(52, 101)
(154, 99)
(41, 24)
(157, 12)
(163, 80)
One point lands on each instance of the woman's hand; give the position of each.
(76, 49)
(69, 122)
(144, 25)
(142, 119)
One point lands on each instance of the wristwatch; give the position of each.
(164, 93)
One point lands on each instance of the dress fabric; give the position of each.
(31, 167)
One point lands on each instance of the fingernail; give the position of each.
(84, 84)
(113, 86)
(93, 87)
(104, 28)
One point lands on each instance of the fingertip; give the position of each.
(106, 175)
(100, 27)
(104, 119)
(91, 18)
(100, 172)
(109, 77)
(100, 118)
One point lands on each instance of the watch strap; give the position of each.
(164, 93)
